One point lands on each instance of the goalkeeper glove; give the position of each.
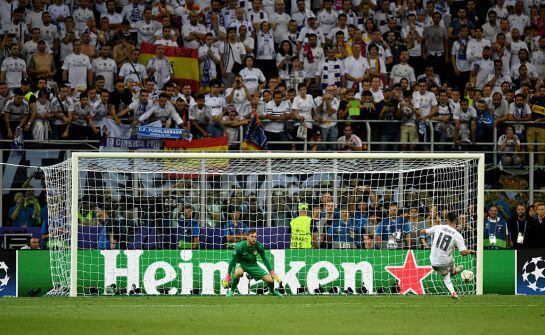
(275, 277)
(226, 281)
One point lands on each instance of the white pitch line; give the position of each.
(318, 305)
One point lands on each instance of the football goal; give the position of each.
(331, 223)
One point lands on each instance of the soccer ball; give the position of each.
(467, 275)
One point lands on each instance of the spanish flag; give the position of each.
(255, 138)
(191, 168)
(185, 63)
(203, 144)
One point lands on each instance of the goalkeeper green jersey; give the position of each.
(246, 255)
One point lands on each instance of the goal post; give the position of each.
(434, 183)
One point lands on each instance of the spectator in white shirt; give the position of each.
(16, 27)
(341, 26)
(34, 18)
(402, 70)
(198, 115)
(252, 76)
(300, 13)
(498, 77)
(509, 145)
(307, 31)
(256, 15)
(133, 12)
(238, 94)
(77, 69)
(209, 61)
(327, 108)
(538, 58)
(232, 52)
(277, 112)
(523, 60)
(59, 12)
(163, 111)
(311, 54)
(240, 20)
(279, 22)
(133, 71)
(302, 109)
(246, 39)
(465, 118)
(216, 103)
(483, 68)
(330, 71)
(159, 67)
(476, 45)
(284, 58)
(515, 45)
(425, 103)
(355, 68)
(349, 141)
(519, 20)
(266, 55)
(167, 38)
(114, 17)
(491, 28)
(147, 27)
(327, 17)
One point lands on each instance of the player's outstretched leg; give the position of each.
(448, 283)
(234, 283)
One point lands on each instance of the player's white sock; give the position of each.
(448, 283)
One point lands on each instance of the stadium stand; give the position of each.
(309, 75)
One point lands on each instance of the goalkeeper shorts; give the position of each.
(254, 270)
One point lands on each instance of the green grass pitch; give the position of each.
(269, 315)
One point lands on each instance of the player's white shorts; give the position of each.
(443, 269)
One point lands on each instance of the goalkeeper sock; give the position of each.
(234, 283)
(448, 282)
(271, 287)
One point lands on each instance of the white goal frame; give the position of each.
(278, 155)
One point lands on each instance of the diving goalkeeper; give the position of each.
(245, 259)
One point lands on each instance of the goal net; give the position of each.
(164, 223)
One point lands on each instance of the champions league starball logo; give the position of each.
(532, 274)
(4, 278)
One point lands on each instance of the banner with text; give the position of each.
(184, 271)
(164, 133)
(196, 270)
(122, 144)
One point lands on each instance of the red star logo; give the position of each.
(410, 275)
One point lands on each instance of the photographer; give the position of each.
(238, 94)
(19, 214)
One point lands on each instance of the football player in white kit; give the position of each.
(445, 237)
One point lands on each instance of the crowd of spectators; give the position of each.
(363, 220)
(311, 70)
(460, 72)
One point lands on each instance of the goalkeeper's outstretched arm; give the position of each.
(227, 280)
(232, 263)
